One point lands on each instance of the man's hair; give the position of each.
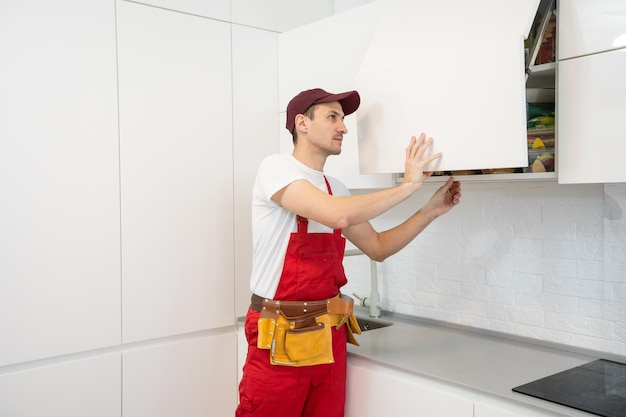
(308, 113)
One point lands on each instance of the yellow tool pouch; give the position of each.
(299, 333)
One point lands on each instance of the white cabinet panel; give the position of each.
(458, 77)
(476, 114)
(587, 27)
(591, 123)
(215, 9)
(331, 65)
(176, 172)
(255, 121)
(383, 392)
(279, 15)
(59, 179)
(86, 387)
(193, 378)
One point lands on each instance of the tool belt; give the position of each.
(298, 333)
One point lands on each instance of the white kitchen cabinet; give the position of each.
(77, 388)
(194, 377)
(59, 179)
(465, 87)
(334, 50)
(587, 27)
(176, 154)
(591, 125)
(373, 391)
(215, 9)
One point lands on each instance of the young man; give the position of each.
(300, 218)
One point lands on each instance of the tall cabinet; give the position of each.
(59, 215)
(116, 226)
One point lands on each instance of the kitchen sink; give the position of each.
(368, 323)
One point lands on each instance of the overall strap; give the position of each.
(303, 222)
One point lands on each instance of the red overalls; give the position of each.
(313, 270)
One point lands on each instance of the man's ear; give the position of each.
(300, 122)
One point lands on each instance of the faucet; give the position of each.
(373, 301)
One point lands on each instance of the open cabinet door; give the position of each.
(454, 70)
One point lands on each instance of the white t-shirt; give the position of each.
(272, 224)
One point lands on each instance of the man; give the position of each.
(299, 216)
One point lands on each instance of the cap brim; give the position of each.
(349, 101)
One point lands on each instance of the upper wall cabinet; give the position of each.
(591, 122)
(176, 156)
(587, 27)
(591, 93)
(454, 71)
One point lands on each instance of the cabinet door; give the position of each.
(591, 125)
(587, 27)
(59, 179)
(454, 70)
(373, 391)
(334, 49)
(176, 156)
(191, 378)
(76, 388)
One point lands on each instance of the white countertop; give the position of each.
(476, 360)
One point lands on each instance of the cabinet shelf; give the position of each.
(542, 76)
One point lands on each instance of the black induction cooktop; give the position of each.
(598, 387)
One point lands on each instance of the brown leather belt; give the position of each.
(340, 304)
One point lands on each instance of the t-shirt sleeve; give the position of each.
(274, 174)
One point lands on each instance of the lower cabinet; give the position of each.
(373, 391)
(74, 388)
(191, 378)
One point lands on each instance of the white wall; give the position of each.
(535, 259)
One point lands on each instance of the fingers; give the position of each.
(418, 146)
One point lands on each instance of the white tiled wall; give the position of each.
(535, 259)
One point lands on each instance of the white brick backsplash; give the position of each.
(527, 282)
(615, 272)
(586, 250)
(579, 325)
(534, 259)
(584, 288)
(545, 266)
(620, 331)
(439, 286)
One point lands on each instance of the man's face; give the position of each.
(327, 128)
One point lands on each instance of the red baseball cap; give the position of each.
(349, 101)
